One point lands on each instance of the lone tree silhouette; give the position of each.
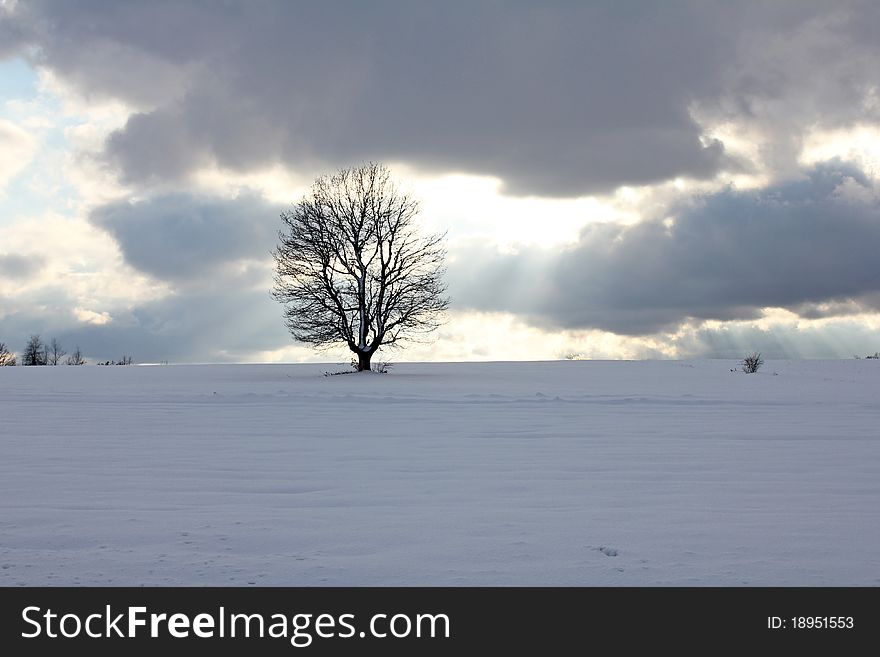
(351, 266)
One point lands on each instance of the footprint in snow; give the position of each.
(607, 551)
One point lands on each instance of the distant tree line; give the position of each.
(125, 360)
(38, 353)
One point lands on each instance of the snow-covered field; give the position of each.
(557, 473)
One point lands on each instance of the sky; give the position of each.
(616, 179)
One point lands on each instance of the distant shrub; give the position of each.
(876, 355)
(7, 358)
(752, 363)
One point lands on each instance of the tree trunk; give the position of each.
(364, 361)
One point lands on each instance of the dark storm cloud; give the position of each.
(13, 34)
(726, 256)
(180, 236)
(19, 267)
(555, 98)
(790, 78)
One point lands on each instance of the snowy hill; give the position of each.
(555, 473)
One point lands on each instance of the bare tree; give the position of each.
(352, 268)
(34, 352)
(7, 358)
(76, 358)
(54, 353)
(752, 363)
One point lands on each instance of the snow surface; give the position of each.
(552, 473)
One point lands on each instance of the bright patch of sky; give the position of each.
(17, 80)
(41, 185)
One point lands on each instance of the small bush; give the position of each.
(76, 358)
(752, 363)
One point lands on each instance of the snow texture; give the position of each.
(686, 473)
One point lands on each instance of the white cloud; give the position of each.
(859, 144)
(17, 148)
(82, 267)
(91, 317)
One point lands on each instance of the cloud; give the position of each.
(91, 317)
(225, 317)
(20, 267)
(180, 236)
(214, 252)
(556, 100)
(17, 147)
(725, 256)
(12, 32)
(819, 73)
(840, 338)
